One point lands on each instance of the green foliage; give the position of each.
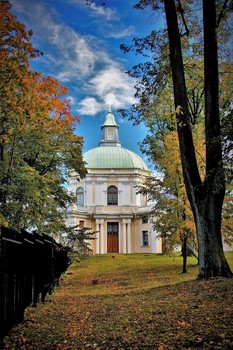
(226, 112)
(76, 238)
(227, 217)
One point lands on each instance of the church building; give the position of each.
(107, 199)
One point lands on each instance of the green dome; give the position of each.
(113, 158)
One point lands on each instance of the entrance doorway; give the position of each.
(113, 241)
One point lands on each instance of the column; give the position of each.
(124, 237)
(159, 243)
(129, 237)
(97, 239)
(153, 241)
(101, 238)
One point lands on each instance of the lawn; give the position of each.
(137, 301)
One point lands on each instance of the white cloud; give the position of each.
(89, 106)
(123, 33)
(81, 60)
(73, 54)
(111, 86)
(77, 58)
(112, 79)
(107, 12)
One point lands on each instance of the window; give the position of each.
(81, 224)
(145, 238)
(110, 134)
(112, 196)
(80, 197)
(144, 220)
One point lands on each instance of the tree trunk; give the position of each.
(211, 258)
(2, 177)
(184, 254)
(206, 197)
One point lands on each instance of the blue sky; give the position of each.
(81, 46)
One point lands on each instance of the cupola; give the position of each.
(110, 136)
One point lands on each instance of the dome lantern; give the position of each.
(109, 129)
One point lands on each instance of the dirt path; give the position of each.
(102, 308)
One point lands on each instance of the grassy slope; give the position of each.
(131, 302)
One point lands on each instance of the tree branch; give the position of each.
(222, 13)
(181, 11)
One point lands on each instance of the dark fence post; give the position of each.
(29, 266)
(1, 292)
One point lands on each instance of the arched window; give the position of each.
(112, 196)
(80, 197)
(110, 134)
(145, 238)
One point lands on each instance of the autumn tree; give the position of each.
(37, 141)
(177, 43)
(171, 213)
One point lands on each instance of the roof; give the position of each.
(113, 157)
(109, 120)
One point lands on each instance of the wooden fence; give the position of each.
(30, 267)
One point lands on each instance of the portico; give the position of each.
(113, 236)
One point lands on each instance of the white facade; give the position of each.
(107, 201)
